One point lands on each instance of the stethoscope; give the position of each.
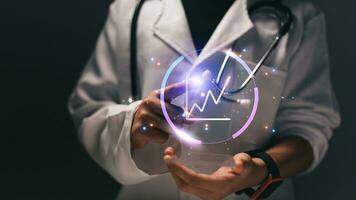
(275, 8)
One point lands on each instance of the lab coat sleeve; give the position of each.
(103, 123)
(308, 107)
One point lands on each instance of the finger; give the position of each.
(169, 151)
(175, 112)
(174, 90)
(150, 120)
(153, 103)
(182, 185)
(189, 177)
(152, 134)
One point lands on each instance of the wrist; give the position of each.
(264, 173)
(259, 171)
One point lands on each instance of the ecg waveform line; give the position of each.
(202, 108)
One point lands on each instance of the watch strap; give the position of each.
(271, 166)
(272, 181)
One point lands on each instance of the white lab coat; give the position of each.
(296, 98)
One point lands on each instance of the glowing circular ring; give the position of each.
(185, 136)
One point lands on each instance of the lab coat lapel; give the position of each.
(234, 24)
(172, 28)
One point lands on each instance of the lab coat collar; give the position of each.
(172, 28)
(234, 24)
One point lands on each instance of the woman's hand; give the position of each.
(247, 172)
(149, 124)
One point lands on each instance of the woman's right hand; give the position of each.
(149, 124)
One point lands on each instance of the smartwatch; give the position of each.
(271, 182)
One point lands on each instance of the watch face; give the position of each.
(220, 98)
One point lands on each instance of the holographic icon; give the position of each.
(218, 113)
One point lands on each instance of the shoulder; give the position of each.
(308, 25)
(304, 11)
(122, 10)
(119, 6)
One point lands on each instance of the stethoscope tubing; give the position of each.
(282, 31)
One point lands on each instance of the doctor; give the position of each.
(296, 97)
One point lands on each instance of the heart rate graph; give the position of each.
(209, 95)
(213, 99)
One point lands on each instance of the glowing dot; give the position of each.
(157, 91)
(196, 80)
(158, 64)
(152, 59)
(244, 50)
(266, 73)
(144, 128)
(202, 94)
(240, 55)
(274, 98)
(183, 115)
(293, 97)
(238, 100)
(151, 125)
(186, 113)
(130, 100)
(273, 130)
(206, 128)
(245, 102)
(282, 97)
(266, 127)
(273, 70)
(123, 101)
(228, 148)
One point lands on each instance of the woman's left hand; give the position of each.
(247, 172)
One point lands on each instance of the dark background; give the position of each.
(44, 46)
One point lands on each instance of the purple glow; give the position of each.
(181, 134)
(253, 113)
(197, 81)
